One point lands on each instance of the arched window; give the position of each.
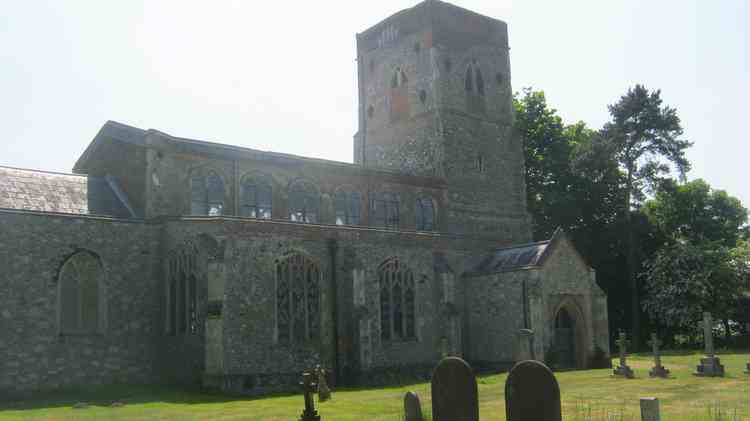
(81, 299)
(397, 301)
(297, 299)
(425, 211)
(255, 197)
(304, 203)
(182, 290)
(347, 208)
(469, 82)
(385, 210)
(207, 194)
(480, 81)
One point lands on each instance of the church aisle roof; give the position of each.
(511, 258)
(33, 190)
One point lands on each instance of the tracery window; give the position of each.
(347, 208)
(304, 203)
(474, 79)
(80, 294)
(182, 290)
(297, 299)
(397, 301)
(256, 197)
(385, 210)
(207, 193)
(425, 212)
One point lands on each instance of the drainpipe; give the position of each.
(332, 251)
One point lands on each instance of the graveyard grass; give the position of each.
(586, 395)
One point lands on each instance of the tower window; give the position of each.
(422, 96)
(370, 111)
(480, 81)
(417, 47)
(448, 64)
(480, 163)
(469, 82)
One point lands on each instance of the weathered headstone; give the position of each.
(623, 369)
(525, 345)
(309, 386)
(412, 407)
(650, 409)
(324, 392)
(532, 393)
(710, 365)
(658, 370)
(747, 369)
(454, 391)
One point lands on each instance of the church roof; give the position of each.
(33, 190)
(511, 258)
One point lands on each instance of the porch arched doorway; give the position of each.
(568, 337)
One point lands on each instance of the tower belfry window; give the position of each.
(480, 82)
(469, 82)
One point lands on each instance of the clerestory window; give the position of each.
(304, 203)
(207, 194)
(385, 210)
(347, 208)
(425, 213)
(256, 197)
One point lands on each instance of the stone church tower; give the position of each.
(435, 99)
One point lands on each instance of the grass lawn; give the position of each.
(586, 395)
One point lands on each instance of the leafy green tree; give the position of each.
(697, 213)
(684, 279)
(644, 137)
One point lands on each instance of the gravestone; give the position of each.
(658, 370)
(650, 409)
(710, 365)
(309, 386)
(412, 407)
(454, 391)
(747, 369)
(324, 392)
(623, 369)
(532, 393)
(525, 345)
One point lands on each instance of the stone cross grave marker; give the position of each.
(309, 386)
(710, 365)
(525, 344)
(532, 393)
(658, 370)
(650, 409)
(324, 392)
(412, 407)
(623, 369)
(454, 391)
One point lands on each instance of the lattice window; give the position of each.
(425, 212)
(80, 294)
(297, 299)
(397, 301)
(304, 203)
(207, 194)
(347, 208)
(256, 198)
(385, 209)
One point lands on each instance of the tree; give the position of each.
(697, 213)
(685, 279)
(643, 135)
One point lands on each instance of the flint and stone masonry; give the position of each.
(164, 259)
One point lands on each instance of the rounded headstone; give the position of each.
(454, 391)
(412, 407)
(532, 393)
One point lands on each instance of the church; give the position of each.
(164, 259)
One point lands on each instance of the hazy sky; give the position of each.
(281, 76)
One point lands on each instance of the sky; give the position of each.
(281, 76)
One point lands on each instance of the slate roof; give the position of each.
(33, 190)
(512, 258)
